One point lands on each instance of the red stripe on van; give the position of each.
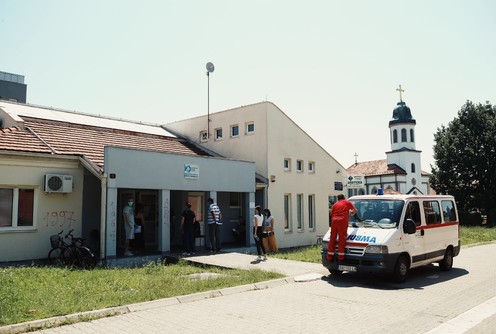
(436, 225)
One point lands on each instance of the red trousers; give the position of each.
(339, 229)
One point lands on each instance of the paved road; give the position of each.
(429, 300)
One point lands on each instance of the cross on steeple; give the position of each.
(401, 91)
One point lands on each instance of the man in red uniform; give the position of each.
(339, 227)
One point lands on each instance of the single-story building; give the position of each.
(62, 170)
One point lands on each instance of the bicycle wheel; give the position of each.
(86, 258)
(70, 256)
(56, 257)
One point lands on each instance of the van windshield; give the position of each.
(377, 212)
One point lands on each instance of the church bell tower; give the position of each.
(403, 152)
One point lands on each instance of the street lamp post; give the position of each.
(210, 69)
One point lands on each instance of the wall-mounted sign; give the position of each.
(356, 181)
(191, 171)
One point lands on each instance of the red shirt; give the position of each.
(341, 210)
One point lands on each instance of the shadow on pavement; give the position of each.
(418, 278)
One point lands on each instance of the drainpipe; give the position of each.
(103, 218)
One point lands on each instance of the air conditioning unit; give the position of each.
(57, 183)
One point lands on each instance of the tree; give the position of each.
(465, 158)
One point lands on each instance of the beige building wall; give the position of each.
(275, 138)
(52, 212)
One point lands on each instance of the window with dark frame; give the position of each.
(24, 215)
(218, 134)
(250, 128)
(299, 165)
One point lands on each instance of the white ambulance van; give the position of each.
(390, 234)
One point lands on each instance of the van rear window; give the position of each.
(449, 212)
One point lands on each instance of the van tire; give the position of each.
(335, 272)
(400, 272)
(447, 262)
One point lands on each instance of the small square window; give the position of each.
(299, 166)
(218, 134)
(203, 136)
(287, 164)
(234, 130)
(311, 167)
(250, 128)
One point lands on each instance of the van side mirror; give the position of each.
(409, 226)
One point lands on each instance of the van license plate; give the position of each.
(347, 268)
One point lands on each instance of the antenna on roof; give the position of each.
(210, 68)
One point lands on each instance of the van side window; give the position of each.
(413, 212)
(432, 212)
(449, 212)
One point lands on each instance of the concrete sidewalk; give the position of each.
(237, 260)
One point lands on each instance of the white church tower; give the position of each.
(403, 152)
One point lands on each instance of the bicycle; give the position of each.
(72, 254)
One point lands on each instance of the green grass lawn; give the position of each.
(35, 292)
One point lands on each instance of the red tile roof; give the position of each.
(65, 138)
(17, 139)
(375, 167)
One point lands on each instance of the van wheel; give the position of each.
(335, 272)
(400, 272)
(447, 262)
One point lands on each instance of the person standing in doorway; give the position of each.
(258, 233)
(128, 213)
(339, 227)
(187, 220)
(139, 228)
(214, 221)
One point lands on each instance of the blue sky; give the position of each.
(332, 66)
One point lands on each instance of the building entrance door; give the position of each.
(148, 200)
(197, 200)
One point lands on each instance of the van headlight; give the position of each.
(376, 249)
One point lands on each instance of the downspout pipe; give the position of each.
(103, 218)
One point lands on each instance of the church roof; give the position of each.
(375, 167)
(402, 114)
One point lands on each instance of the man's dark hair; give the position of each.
(340, 197)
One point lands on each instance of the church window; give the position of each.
(412, 136)
(403, 135)
(413, 168)
(395, 136)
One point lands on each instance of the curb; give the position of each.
(62, 320)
